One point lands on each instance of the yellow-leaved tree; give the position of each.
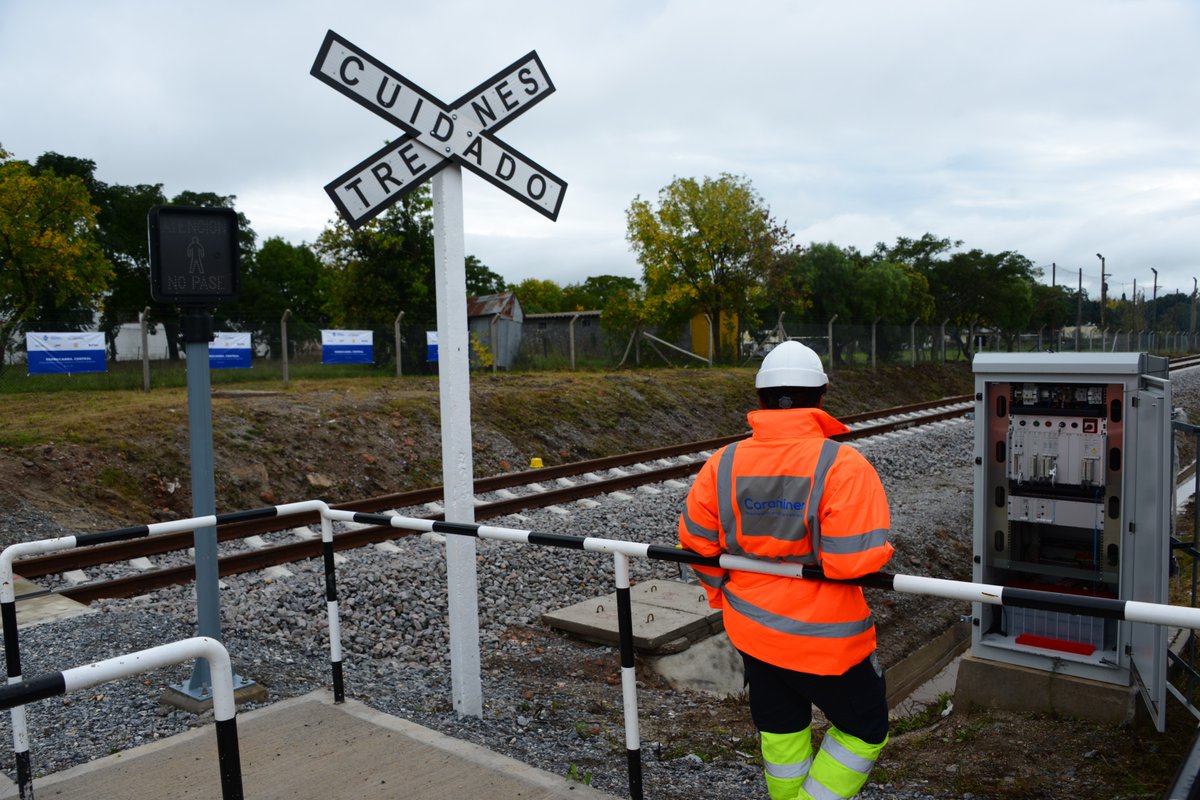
(48, 247)
(703, 249)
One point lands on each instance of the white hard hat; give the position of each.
(791, 364)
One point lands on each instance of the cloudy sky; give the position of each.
(1056, 128)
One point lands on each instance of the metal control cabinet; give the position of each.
(1073, 494)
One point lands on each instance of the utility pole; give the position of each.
(1154, 302)
(1079, 311)
(1103, 289)
(1192, 327)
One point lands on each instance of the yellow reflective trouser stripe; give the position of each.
(841, 768)
(786, 759)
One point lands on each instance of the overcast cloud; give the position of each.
(1056, 129)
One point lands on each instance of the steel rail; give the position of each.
(82, 558)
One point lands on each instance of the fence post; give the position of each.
(571, 337)
(708, 319)
(145, 323)
(396, 325)
(912, 343)
(874, 327)
(283, 344)
(831, 319)
(492, 323)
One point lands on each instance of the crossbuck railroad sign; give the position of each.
(436, 134)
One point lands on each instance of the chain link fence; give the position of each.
(582, 340)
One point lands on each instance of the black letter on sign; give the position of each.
(531, 84)
(383, 173)
(475, 149)
(411, 160)
(346, 79)
(353, 186)
(379, 95)
(540, 192)
(480, 110)
(506, 164)
(442, 117)
(503, 92)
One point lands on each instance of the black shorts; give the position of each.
(854, 702)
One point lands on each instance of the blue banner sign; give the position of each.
(64, 353)
(229, 351)
(431, 354)
(347, 347)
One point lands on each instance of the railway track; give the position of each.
(570, 483)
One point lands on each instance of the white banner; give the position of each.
(229, 351)
(347, 347)
(66, 352)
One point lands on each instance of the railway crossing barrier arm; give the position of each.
(16, 695)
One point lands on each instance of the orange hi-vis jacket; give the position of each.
(789, 493)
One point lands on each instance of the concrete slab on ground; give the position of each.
(308, 747)
(46, 607)
(668, 616)
(712, 666)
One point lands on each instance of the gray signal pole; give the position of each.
(197, 333)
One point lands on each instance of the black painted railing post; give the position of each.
(633, 747)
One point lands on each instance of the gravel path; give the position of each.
(395, 634)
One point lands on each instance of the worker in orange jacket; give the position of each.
(790, 493)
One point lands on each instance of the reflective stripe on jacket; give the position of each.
(789, 493)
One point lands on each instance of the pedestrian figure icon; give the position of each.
(195, 254)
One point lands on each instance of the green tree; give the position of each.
(54, 312)
(282, 276)
(785, 290)
(704, 247)
(624, 314)
(481, 280)
(891, 293)
(123, 217)
(539, 296)
(48, 249)
(922, 255)
(1053, 307)
(594, 293)
(975, 289)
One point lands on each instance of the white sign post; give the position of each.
(439, 139)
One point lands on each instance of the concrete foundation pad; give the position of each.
(993, 684)
(712, 666)
(667, 617)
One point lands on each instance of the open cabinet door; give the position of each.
(1151, 541)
